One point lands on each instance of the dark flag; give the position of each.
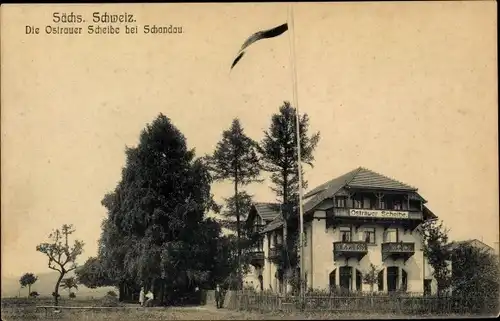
(271, 33)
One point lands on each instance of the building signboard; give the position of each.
(379, 213)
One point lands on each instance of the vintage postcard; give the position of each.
(249, 160)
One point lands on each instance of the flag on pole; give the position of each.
(264, 34)
(271, 33)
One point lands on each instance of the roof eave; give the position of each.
(383, 189)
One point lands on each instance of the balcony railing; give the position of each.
(396, 250)
(349, 250)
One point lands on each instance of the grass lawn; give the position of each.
(25, 310)
(182, 313)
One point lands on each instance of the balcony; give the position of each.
(273, 253)
(349, 250)
(257, 258)
(398, 250)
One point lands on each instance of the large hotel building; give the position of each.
(350, 222)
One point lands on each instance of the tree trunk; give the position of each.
(162, 292)
(285, 227)
(237, 208)
(29, 290)
(120, 292)
(56, 290)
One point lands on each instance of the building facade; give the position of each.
(352, 222)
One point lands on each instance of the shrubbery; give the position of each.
(112, 293)
(34, 294)
(109, 301)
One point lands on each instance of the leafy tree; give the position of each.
(228, 219)
(156, 234)
(476, 278)
(113, 249)
(235, 159)
(436, 250)
(62, 257)
(69, 283)
(227, 262)
(27, 280)
(370, 277)
(93, 274)
(279, 157)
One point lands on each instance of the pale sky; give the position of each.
(408, 90)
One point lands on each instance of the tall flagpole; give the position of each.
(299, 158)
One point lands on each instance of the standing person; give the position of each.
(141, 297)
(217, 296)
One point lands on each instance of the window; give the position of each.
(333, 276)
(358, 203)
(397, 205)
(345, 234)
(369, 235)
(381, 204)
(391, 235)
(414, 205)
(366, 202)
(427, 287)
(380, 280)
(404, 280)
(340, 202)
(345, 278)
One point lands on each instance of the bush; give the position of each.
(109, 301)
(72, 295)
(34, 294)
(112, 293)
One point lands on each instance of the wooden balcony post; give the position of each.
(384, 281)
(353, 278)
(400, 278)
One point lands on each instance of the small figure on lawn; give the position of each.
(149, 299)
(141, 297)
(218, 297)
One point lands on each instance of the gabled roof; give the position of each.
(267, 211)
(428, 214)
(369, 179)
(473, 242)
(333, 185)
(275, 224)
(358, 178)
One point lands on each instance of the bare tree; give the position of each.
(370, 277)
(62, 256)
